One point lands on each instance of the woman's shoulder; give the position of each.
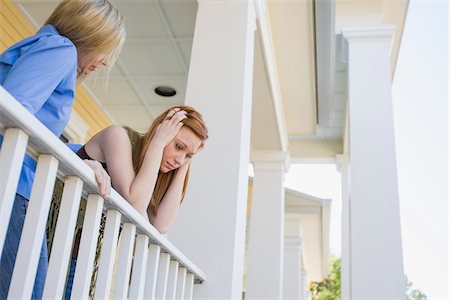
(114, 131)
(60, 46)
(48, 35)
(46, 41)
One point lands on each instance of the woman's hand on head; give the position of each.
(102, 177)
(169, 128)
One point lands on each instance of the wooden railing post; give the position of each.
(11, 158)
(25, 267)
(88, 244)
(62, 242)
(107, 255)
(139, 267)
(126, 242)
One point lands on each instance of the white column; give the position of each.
(305, 285)
(343, 167)
(210, 227)
(375, 237)
(266, 238)
(292, 273)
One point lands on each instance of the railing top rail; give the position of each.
(43, 141)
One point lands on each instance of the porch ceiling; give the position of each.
(157, 52)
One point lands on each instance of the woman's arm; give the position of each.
(113, 147)
(168, 208)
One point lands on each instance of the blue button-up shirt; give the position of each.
(40, 72)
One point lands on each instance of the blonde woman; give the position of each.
(41, 72)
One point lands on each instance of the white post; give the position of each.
(172, 280)
(305, 286)
(127, 237)
(62, 242)
(266, 238)
(152, 271)
(11, 158)
(189, 286)
(107, 255)
(139, 267)
(181, 283)
(220, 87)
(375, 237)
(343, 167)
(292, 273)
(163, 275)
(27, 260)
(88, 245)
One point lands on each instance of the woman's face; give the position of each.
(89, 65)
(180, 150)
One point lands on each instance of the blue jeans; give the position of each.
(69, 283)
(11, 247)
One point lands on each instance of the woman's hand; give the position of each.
(169, 128)
(102, 177)
(183, 168)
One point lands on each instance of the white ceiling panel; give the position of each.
(135, 116)
(39, 11)
(180, 15)
(116, 92)
(151, 58)
(159, 109)
(186, 48)
(141, 19)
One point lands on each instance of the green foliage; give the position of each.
(329, 288)
(413, 294)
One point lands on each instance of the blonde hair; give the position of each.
(194, 122)
(95, 27)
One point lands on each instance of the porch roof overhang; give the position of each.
(300, 73)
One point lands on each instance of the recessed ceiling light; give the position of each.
(165, 91)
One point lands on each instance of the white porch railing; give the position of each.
(157, 268)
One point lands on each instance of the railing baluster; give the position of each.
(127, 238)
(172, 280)
(139, 267)
(181, 283)
(88, 246)
(163, 275)
(107, 255)
(62, 242)
(27, 260)
(189, 286)
(152, 271)
(11, 158)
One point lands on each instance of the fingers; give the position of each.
(101, 176)
(178, 117)
(172, 112)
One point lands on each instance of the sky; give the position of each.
(421, 118)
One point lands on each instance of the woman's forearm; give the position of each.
(143, 185)
(168, 208)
